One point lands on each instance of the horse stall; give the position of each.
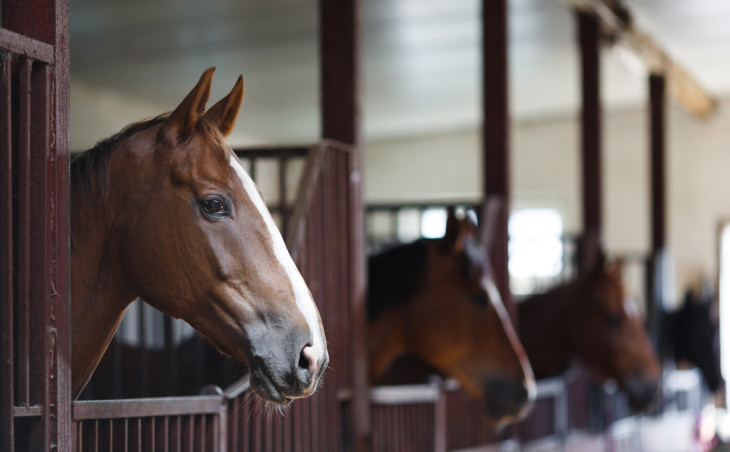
(313, 218)
(160, 386)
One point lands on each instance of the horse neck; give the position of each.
(544, 328)
(99, 297)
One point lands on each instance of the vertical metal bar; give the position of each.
(439, 413)
(7, 359)
(23, 275)
(143, 355)
(43, 295)
(96, 435)
(170, 350)
(589, 37)
(60, 230)
(495, 130)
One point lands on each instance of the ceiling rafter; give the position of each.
(621, 31)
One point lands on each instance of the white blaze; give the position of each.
(301, 292)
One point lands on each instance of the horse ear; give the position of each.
(182, 120)
(225, 112)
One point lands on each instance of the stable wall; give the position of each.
(545, 173)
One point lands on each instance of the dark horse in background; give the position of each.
(434, 298)
(591, 320)
(691, 335)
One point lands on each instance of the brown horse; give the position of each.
(434, 298)
(165, 211)
(592, 320)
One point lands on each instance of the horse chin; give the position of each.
(263, 387)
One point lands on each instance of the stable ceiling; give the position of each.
(421, 59)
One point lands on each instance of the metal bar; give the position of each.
(439, 413)
(7, 359)
(130, 408)
(25, 46)
(42, 294)
(24, 202)
(27, 411)
(495, 130)
(589, 38)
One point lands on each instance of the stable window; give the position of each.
(535, 249)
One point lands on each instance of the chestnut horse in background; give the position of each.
(435, 298)
(592, 320)
(165, 211)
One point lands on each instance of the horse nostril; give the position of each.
(307, 360)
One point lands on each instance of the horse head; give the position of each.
(609, 335)
(187, 230)
(695, 332)
(451, 316)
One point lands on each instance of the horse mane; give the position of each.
(394, 276)
(90, 169)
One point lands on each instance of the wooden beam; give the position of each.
(495, 132)
(340, 55)
(590, 61)
(617, 23)
(658, 186)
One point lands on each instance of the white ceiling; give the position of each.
(421, 59)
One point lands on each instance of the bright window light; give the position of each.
(433, 223)
(535, 247)
(725, 301)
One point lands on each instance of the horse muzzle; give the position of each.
(507, 400)
(287, 369)
(641, 392)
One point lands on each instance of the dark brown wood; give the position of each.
(23, 307)
(7, 367)
(137, 408)
(495, 131)
(22, 45)
(589, 39)
(657, 95)
(339, 41)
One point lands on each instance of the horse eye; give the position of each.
(213, 206)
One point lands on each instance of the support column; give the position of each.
(495, 132)
(590, 58)
(657, 261)
(339, 39)
(657, 95)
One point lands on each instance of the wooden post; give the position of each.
(658, 215)
(47, 23)
(340, 25)
(590, 57)
(656, 265)
(495, 130)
